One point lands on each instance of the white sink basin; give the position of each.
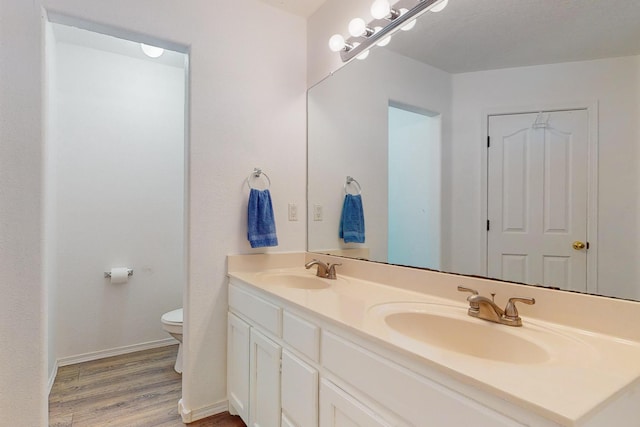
(462, 336)
(449, 328)
(297, 281)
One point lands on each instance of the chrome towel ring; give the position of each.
(257, 172)
(352, 181)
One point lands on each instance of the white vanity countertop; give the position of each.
(583, 371)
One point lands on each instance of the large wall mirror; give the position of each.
(498, 139)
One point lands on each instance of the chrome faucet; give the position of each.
(326, 271)
(486, 309)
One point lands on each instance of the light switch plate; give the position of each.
(317, 212)
(293, 212)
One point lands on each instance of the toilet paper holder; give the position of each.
(107, 274)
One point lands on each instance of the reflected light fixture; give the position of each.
(151, 51)
(363, 55)
(440, 6)
(410, 25)
(387, 21)
(385, 41)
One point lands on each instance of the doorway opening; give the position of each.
(414, 187)
(116, 168)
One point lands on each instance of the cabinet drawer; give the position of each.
(262, 312)
(301, 335)
(338, 409)
(403, 391)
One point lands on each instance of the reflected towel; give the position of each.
(261, 227)
(352, 219)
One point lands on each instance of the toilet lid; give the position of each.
(173, 317)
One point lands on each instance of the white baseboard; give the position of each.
(95, 355)
(189, 416)
(52, 377)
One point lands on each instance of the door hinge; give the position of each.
(488, 225)
(488, 141)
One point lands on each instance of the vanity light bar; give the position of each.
(357, 45)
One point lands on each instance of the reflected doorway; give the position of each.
(414, 187)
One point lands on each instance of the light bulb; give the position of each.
(151, 51)
(357, 27)
(380, 9)
(336, 43)
(440, 6)
(363, 55)
(409, 25)
(385, 41)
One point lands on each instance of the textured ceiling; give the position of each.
(472, 35)
(302, 8)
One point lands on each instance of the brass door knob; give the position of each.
(579, 245)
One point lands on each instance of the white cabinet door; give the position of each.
(299, 391)
(264, 382)
(339, 409)
(238, 366)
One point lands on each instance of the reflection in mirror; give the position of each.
(513, 157)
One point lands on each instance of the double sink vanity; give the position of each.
(382, 345)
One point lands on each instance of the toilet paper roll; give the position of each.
(119, 275)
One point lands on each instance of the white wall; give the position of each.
(23, 303)
(348, 136)
(247, 108)
(637, 178)
(614, 84)
(50, 219)
(119, 132)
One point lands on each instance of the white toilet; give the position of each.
(172, 323)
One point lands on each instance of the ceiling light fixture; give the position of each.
(363, 37)
(151, 51)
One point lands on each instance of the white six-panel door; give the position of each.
(537, 198)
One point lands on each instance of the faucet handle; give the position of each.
(472, 291)
(331, 272)
(463, 289)
(322, 268)
(474, 306)
(511, 312)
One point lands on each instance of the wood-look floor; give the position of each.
(136, 389)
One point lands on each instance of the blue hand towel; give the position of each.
(352, 219)
(261, 224)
